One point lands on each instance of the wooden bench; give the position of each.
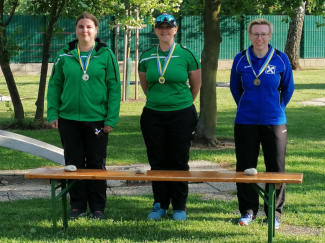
(62, 180)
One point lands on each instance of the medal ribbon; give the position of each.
(268, 59)
(167, 59)
(84, 65)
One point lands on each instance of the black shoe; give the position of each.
(77, 213)
(98, 215)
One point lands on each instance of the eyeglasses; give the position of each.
(257, 35)
(165, 18)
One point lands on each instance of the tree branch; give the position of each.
(1, 10)
(60, 9)
(12, 12)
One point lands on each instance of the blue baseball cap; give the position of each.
(165, 18)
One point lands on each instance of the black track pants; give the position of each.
(86, 150)
(248, 138)
(167, 135)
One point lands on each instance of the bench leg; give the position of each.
(269, 199)
(271, 211)
(64, 204)
(65, 187)
(53, 199)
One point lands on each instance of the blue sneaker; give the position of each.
(179, 215)
(276, 223)
(246, 219)
(157, 212)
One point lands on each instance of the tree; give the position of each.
(54, 10)
(206, 127)
(292, 46)
(212, 10)
(297, 15)
(9, 7)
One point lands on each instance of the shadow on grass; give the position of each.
(30, 220)
(310, 86)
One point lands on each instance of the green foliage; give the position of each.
(192, 7)
(276, 7)
(316, 7)
(72, 8)
(125, 11)
(8, 5)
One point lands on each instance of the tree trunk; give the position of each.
(294, 36)
(206, 129)
(6, 70)
(39, 114)
(55, 12)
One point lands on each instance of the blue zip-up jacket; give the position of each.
(264, 104)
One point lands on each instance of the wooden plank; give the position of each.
(165, 175)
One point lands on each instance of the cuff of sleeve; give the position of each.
(108, 123)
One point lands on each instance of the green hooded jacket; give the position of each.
(72, 98)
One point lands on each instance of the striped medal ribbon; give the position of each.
(162, 71)
(84, 65)
(257, 81)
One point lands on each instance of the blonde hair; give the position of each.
(259, 22)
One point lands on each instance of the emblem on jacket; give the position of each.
(270, 69)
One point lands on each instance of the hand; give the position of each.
(107, 129)
(54, 123)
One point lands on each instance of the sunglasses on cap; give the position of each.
(165, 19)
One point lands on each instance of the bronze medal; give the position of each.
(161, 80)
(257, 82)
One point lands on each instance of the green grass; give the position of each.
(209, 221)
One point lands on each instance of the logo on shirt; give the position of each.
(270, 69)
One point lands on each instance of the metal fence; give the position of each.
(26, 35)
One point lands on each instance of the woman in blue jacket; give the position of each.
(261, 83)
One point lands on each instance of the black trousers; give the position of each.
(86, 150)
(167, 135)
(273, 139)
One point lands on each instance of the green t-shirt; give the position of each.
(175, 93)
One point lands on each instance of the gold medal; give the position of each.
(162, 71)
(161, 80)
(257, 82)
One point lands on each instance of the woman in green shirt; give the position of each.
(83, 102)
(170, 76)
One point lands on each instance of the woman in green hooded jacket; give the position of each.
(83, 102)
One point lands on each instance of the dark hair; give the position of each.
(86, 15)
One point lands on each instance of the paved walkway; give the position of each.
(314, 102)
(13, 185)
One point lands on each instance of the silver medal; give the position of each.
(85, 77)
